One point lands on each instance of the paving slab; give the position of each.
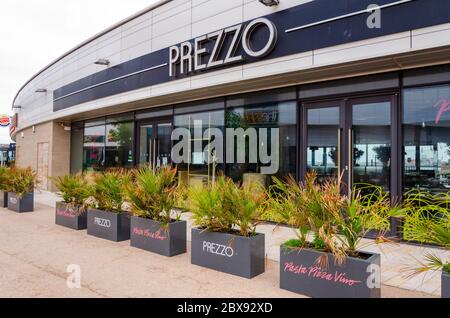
(35, 255)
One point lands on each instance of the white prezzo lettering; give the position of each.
(102, 222)
(218, 249)
(13, 200)
(188, 56)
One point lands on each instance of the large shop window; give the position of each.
(108, 144)
(199, 168)
(119, 145)
(274, 125)
(426, 134)
(76, 147)
(94, 146)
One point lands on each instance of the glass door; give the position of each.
(370, 139)
(155, 144)
(352, 138)
(323, 137)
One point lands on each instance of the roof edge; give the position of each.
(91, 39)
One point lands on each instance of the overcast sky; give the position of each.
(35, 32)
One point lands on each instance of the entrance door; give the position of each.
(352, 138)
(42, 165)
(155, 145)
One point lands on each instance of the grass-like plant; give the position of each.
(4, 178)
(328, 221)
(226, 207)
(21, 181)
(152, 193)
(108, 190)
(428, 221)
(74, 189)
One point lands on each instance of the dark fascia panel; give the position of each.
(427, 75)
(351, 85)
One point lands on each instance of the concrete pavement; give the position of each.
(35, 255)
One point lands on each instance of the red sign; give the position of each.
(5, 120)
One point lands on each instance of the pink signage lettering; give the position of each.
(318, 273)
(66, 214)
(443, 106)
(147, 233)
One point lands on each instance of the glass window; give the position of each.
(322, 132)
(76, 150)
(273, 153)
(426, 133)
(119, 145)
(199, 168)
(372, 144)
(94, 148)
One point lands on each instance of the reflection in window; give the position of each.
(322, 155)
(372, 144)
(119, 145)
(282, 116)
(94, 148)
(426, 138)
(198, 168)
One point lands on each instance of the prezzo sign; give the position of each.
(218, 249)
(102, 222)
(193, 56)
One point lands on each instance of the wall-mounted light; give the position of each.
(16, 107)
(270, 3)
(104, 62)
(41, 90)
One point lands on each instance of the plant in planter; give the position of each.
(152, 195)
(106, 217)
(20, 185)
(4, 177)
(75, 190)
(428, 221)
(329, 226)
(226, 240)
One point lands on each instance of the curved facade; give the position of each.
(329, 78)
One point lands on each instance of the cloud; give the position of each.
(34, 33)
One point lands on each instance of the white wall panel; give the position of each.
(431, 37)
(254, 9)
(217, 22)
(385, 45)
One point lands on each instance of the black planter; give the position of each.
(21, 204)
(299, 273)
(445, 293)
(148, 235)
(3, 199)
(73, 217)
(108, 225)
(228, 253)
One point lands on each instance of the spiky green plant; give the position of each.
(152, 193)
(246, 205)
(336, 222)
(367, 212)
(428, 221)
(4, 177)
(227, 207)
(108, 190)
(21, 181)
(74, 189)
(207, 209)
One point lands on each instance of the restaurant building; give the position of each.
(354, 87)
